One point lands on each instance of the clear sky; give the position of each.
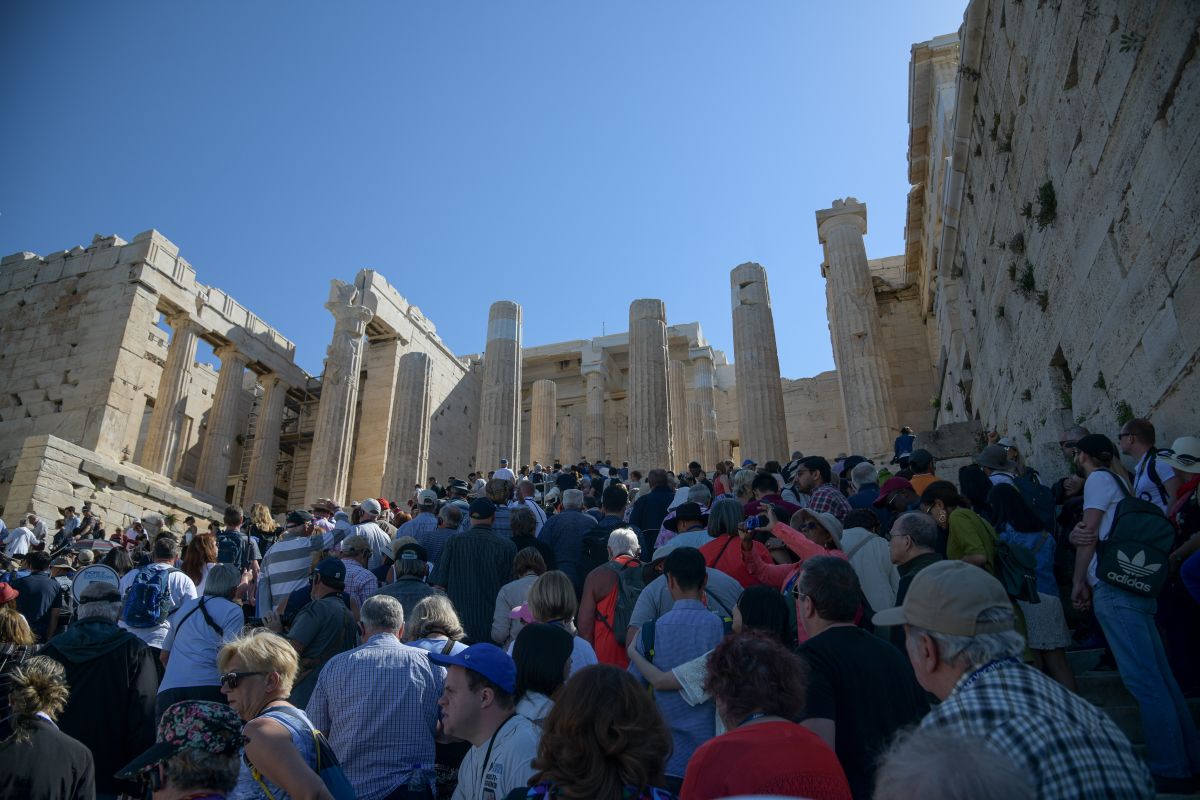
(569, 156)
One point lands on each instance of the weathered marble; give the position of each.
(649, 411)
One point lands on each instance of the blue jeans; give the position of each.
(1172, 746)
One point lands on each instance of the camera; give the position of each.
(757, 521)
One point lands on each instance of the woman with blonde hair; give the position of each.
(257, 673)
(434, 627)
(263, 526)
(552, 601)
(38, 761)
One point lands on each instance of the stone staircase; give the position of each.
(1105, 690)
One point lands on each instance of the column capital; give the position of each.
(341, 304)
(701, 353)
(228, 353)
(183, 321)
(842, 212)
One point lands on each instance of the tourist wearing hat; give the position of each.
(964, 647)
(322, 514)
(896, 496)
(993, 459)
(473, 567)
(425, 519)
(196, 753)
(360, 582)
(286, 566)
(686, 526)
(921, 462)
(322, 629)
(114, 683)
(366, 526)
(1172, 743)
(1184, 458)
(478, 706)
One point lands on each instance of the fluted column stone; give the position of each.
(224, 424)
(329, 467)
(704, 383)
(500, 398)
(854, 327)
(163, 444)
(676, 373)
(542, 417)
(264, 450)
(649, 411)
(408, 431)
(761, 420)
(595, 376)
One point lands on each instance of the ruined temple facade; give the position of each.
(1049, 277)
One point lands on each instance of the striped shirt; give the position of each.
(473, 568)
(285, 568)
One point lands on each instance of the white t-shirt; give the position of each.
(19, 541)
(1102, 491)
(508, 767)
(194, 645)
(506, 473)
(1144, 486)
(181, 588)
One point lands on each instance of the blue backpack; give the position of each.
(148, 602)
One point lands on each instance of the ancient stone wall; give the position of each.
(816, 420)
(1073, 289)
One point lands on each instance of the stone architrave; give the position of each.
(704, 383)
(408, 433)
(854, 325)
(500, 397)
(264, 450)
(680, 445)
(224, 423)
(761, 420)
(544, 407)
(595, 377)
(161, 451)
(649, 411)
(329, 467)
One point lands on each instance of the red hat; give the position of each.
(8, 593)
(383, 503)
(889, 488)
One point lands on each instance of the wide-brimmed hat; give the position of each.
(948, 597)
(828, 521)
(324, 504)
(208, 727)
(690, 511)
(994, 456)
(1184, 454)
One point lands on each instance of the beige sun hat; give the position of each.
(1184, 454)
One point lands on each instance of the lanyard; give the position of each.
(488, 755)
(756, 715)
(991, 666)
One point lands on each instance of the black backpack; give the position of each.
(1040, 499)
(232, 548)
(1134, 556)
(630, 583)
(595, 549)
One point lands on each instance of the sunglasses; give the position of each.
(809, 526)
(1183, 458)
(1070, 444)
(230, 680)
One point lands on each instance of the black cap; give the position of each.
(298, 517)
(482, 509)
(332, 572)
(920, 459)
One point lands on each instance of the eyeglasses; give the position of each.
(797, 595)
(1121, 436)
(809, 526)
(893, 536)
(230, 680)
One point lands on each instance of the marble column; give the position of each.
(680, 445)
(224, 423)
(381, 359)
(574, 441)
(408, 432)
(704, 383)
(542, 415)
(761, 421)
(854, 327)
(500, 397)
(162, 448)
(649, 412)
(329, 467)
(595, 376)
(264, 450)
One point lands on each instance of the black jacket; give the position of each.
(48, 766)
(650, 509)
(113, 688)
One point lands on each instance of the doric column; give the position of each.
(544, 408)
(574, 441)
(264, 451)
(329, 468)
(381, 358)
(704, 382)
(224, 423)
(854, 326)
(649, 413)
(762, 424)
(408, 432)
(679, 421)
(500, 398)
(595, 376)
(160, 453)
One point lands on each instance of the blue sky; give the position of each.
(568, 156)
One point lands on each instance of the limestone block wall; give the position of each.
(816, 420)
(905, 345)
(1076, 274)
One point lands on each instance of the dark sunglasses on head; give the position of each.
(1070, 444)
(230, 680)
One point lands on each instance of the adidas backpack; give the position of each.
(148, 601)
(1134, 556)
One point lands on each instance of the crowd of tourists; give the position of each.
(811, 628)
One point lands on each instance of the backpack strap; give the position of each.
(720, 553)
(448, 647)
(853, 550)
(1155, 479)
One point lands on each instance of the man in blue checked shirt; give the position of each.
(378, 705)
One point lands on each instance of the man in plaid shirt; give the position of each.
(814, 477)
(962, 643)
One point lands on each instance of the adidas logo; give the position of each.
(1137, 565)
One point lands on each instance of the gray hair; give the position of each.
(572, 499)
(863, 474)
(192, 767)
(699, 494)
(450, 515)
(940, 765)
(919, 526)
(975, 651)
(222, 581)
(725, 516)
(381, 612)
(624, 541)
(98, 609)
(434, 614)
(742, 480)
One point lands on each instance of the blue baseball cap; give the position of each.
(488, 660)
